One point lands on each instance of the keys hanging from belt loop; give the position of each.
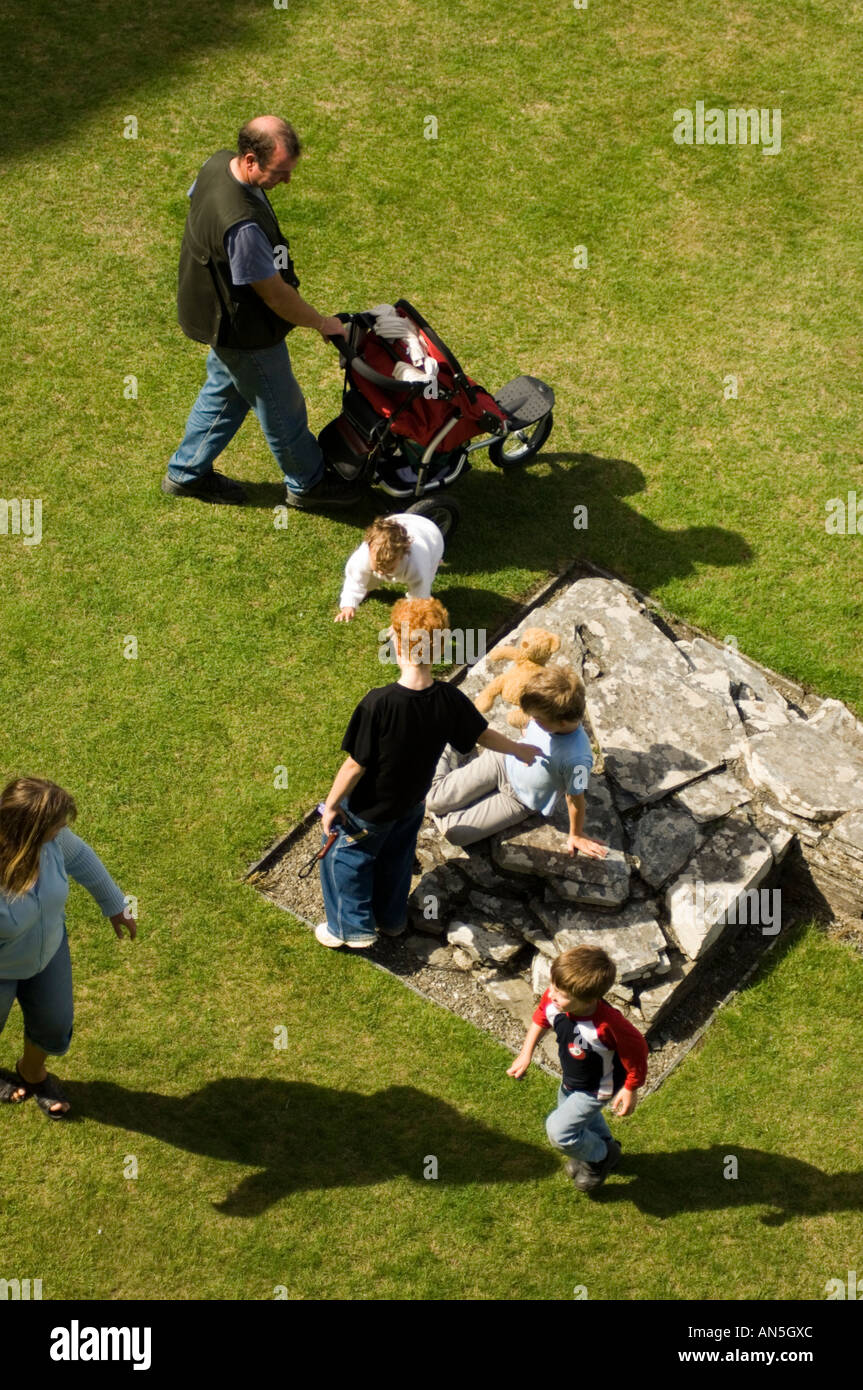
(309, 867)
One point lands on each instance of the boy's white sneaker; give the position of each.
(326, 938)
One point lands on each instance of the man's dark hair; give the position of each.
(263, 144)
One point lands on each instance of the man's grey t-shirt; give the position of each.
(249, 253)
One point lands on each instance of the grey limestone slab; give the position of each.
(633, 937)
(665, 838)
(809, 771)
(713, 796)
(490, 947)
(734, 859)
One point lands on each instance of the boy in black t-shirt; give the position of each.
(393, 741)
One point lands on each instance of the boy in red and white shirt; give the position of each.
(602, 1056)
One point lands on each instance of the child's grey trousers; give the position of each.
(476, 800)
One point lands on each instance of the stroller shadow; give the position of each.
(298, 1136)
(666, 1184)
(529, 519)
(537, 513)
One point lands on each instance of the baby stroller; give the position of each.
(409, 410)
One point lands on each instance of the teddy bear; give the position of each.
(531, 654)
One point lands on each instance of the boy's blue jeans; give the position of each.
(46, 1003)
(366, 878)
(578, 1126)
(239, 380)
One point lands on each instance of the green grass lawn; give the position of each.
(302, 1167)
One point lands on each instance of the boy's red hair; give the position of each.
(417, 616)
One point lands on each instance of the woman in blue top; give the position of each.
(38, 852)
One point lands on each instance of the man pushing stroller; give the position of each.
(237, 292)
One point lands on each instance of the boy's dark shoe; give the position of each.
(211, 487)
(573, 1166)
(329, 492)
(393, 931)
(593, 1175)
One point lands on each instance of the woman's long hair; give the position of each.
(31, 809)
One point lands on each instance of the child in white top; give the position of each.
(405, 548)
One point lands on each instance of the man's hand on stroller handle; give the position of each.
(332, 327)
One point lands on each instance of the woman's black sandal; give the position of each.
(46, 1093)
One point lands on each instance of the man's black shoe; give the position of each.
(329, 492)
(593, 1175)
(210, 487)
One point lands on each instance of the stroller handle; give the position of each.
(347, 350)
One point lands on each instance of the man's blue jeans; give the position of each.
(46, 1003)
(366, 877)
(578, 1126)
(240, 380)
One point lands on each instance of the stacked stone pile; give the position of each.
(705, 774)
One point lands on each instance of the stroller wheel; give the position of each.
(521, 444)
(442, 509)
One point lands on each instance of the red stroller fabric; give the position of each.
(421, 420)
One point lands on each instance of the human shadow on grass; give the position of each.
(667, 1184)
(267, 495)
(73, 59)
(300, 1136)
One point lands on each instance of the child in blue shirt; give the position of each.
(495, 790)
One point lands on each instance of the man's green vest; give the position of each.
(210, 308)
